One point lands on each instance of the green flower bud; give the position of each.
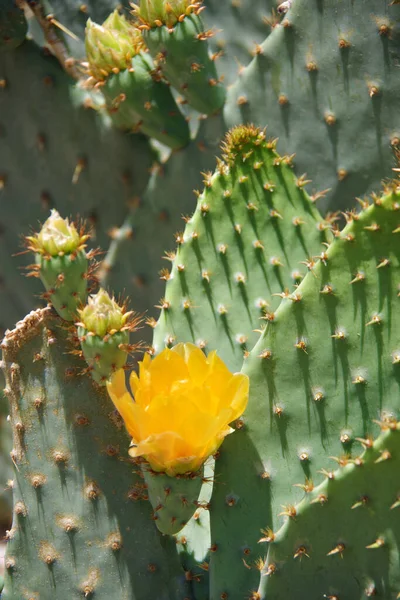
(103, 332)
(110, 47)
(103, 315)
(153, 13)
(57, 237)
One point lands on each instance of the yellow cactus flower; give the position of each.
(183, 404)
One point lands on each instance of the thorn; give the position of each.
(320, 499)
(396, 504)
(360, 276)
(268, 534)
(339, 549)
(300, 552)
(375, 320)
(301, 345)
(328, 474)
(80, 166)
(363, 501)
(288, 511)
(385, 455)
(366, 442)
(302, 181)
(385, 262)
(307, 487)
(372, 227)
(379, 542)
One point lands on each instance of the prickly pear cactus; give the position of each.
(81, 527)
(321, 375)
(301, 501)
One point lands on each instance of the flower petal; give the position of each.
(122, 400)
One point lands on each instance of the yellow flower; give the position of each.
(184, 402)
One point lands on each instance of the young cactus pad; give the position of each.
(103, 332)
(61, 263)
(176, 37)
(323, 371)
(136, 97)
(253, 229)
(82, 526)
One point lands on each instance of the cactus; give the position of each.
(240, 250)
(329, 374)
(81, 527)
(305, 307)
(175, 35)
(136, 97)
(61, 263)
(359, 524)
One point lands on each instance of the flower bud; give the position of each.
(110, 47)
(103, 332)
(103, 314)
(57, 237)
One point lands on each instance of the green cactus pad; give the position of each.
(346, 547)
(324, 370)
(183, 55)
(82, 526)
(174, 499)
(252, 227)
(13, 25)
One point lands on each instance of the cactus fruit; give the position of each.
(103, 333)
(82, 526)
(176, 37)
(137, 98)
(62, 263)
(174, 499)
